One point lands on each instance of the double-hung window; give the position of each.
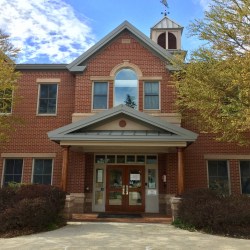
(245, 176)
(100, 95)
(151, 95)
(5, 101)
(218, 176)
(42, 171)
(47, 99)
(13, 170)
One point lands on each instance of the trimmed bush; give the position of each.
(212, 212)
(30, 208)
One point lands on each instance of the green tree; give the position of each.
(8, 85)
(130, 101)
(215, 84)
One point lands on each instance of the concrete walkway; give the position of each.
(136, 236)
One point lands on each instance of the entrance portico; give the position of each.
(125, 145)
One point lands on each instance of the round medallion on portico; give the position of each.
(122, 123)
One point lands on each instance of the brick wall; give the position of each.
(31, 135)
(112, 55)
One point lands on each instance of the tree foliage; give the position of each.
(8, 85)
(215, 84)
(130, 101)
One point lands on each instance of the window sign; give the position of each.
(99, 175)
(135, 177)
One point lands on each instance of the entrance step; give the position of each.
(145, 218)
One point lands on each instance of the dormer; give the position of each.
(167, 34)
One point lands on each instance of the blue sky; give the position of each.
(57, 31)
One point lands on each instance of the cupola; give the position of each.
(167, 34)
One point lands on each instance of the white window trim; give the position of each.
(38, 98)
(92, 99)
(151, 81)
(228, 173)
(3, 171)
(33, 165)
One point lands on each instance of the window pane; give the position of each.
(47, 179)
(37, 179)
(38, 166)
(51, 106)
(100, 95)
(218, 176)
(151, 95)
(47, 167)
(44, 89)
(52, 91)
(43, 106)
(151, 102)
(42, 171)
(151, 159)
(130, 158)
(120, 158)
(17, 178)
(151, 88)
(47, 100)
(7, 179)
(126, 89)
(100, 88)
(100, 102)
(9, 166)
(18, 168)
(245, 176)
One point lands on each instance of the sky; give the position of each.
(58, 31)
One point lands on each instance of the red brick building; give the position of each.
(105, 128)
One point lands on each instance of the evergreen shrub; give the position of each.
(213, 212)
(30, 208)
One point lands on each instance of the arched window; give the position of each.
(172, 43)
(162, 40)
(126, 88)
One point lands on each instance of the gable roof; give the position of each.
(167, 23)
(79, 131)
(76, 65)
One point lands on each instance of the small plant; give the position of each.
(178, 223)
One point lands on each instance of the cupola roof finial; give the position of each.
(164, 2)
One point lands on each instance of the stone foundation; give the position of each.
(74, 204)
(175, 201)
(165, 204)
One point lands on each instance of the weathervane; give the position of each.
(164, 2)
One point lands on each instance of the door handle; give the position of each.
(126, 189)
(123, 189)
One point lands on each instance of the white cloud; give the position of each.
(45, 30)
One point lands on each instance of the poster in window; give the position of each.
(99, 175)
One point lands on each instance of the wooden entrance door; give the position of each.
(125, 189)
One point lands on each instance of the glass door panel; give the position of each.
(125, 190)
(115, 198)
(135, 199)
(115, 178)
